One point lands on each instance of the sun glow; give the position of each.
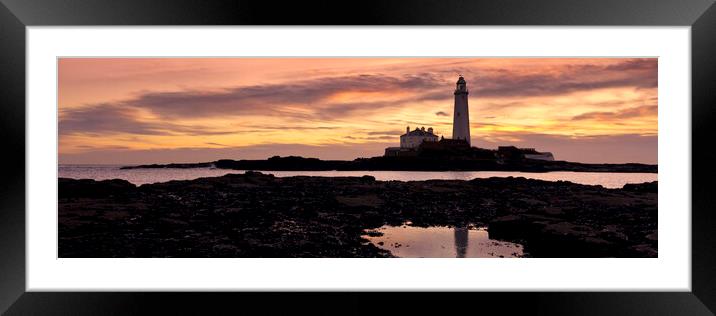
(143, 104)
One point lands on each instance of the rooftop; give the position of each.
(420, 132)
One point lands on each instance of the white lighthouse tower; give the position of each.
(461, 116)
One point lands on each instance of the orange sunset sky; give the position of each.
(159, 110)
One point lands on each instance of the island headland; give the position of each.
(416, 163)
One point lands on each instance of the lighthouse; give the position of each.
(461, 116)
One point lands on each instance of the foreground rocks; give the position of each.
(258, 215)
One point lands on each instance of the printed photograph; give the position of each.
(338, 157)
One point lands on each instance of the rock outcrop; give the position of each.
(428, 162)
(259, 215)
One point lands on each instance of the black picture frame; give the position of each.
(16, 15)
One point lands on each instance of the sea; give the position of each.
(145, 176)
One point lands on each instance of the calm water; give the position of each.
(442, 242)
(142, 176)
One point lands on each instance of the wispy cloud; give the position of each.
(276, 99)
(107, 119)
(335, 102)
(642, 111)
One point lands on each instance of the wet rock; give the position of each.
(73, 188)
(259, 215)
(651, 187)
(368, 178)
(374, 233)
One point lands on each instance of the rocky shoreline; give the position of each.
(259, 215)
(294, 163)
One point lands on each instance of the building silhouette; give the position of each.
(411, 141)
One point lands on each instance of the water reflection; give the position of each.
(142, 176)
(461, 241)
(441, 242)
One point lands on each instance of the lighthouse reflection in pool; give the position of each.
(441, 242)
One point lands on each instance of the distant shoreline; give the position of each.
(294, 163)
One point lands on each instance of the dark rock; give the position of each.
(477, 159)
(259, 215)
(368, 178)
(374, 233)
(651, 187)
(74, 188)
